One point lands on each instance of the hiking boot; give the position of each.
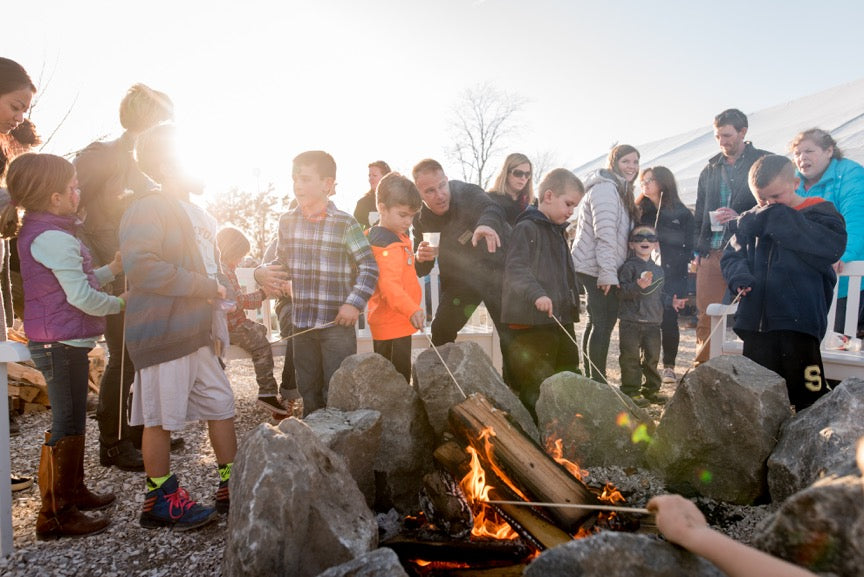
(20, 483)
(656, 398)
(669, 375)
(640, 401)
(223, 498)
(122, 455)
(170, 506)
(271, 403)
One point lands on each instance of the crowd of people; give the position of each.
(152, 272)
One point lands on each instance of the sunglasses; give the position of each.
(521, 173)
(641, 237)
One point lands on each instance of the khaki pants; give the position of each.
(710, 288)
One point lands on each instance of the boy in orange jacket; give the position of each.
(394, 310)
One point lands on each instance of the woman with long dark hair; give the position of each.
(661, 207)
(605, 217)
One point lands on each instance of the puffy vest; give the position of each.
(48, 316)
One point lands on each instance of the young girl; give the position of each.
(513, 189)
(62, 318)
(604, 221)
(540, 289)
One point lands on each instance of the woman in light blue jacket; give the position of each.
(825, 173)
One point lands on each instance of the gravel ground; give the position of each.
(127, 549)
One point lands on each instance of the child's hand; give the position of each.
(743, 290)
(676, 517)
(347, 316)
(645, 279)
(221, 291)
(418, 319)
(270, 277)
(544, 305)
(677, 303)
(116, 265)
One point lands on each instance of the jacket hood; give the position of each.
(533, 214)
(602, 175)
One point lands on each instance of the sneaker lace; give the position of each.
(179, 500)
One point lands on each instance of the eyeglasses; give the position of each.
(521, 173)
(641, 237)
(645, 181)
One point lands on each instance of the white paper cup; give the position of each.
(433, 238)
(716, 225)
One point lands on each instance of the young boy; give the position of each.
(246, 333)
(333, 273)
(540, 289)
(394, 309)
(641, 312)
(173, 332)
(779, 262)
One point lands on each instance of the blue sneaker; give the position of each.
(170, 506)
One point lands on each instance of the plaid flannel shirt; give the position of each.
(329, 262)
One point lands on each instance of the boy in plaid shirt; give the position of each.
(243, 332)
(325, 254)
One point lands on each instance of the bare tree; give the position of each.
(541, 163)
(483, 120)
(255, 213)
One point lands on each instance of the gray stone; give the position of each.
(619, 555)
(819, 441)
(381, 562)
(356, 436)
(369, 381)
(295, 509)
(821, 528)
(598, 425)
(718, 430)
(475, 373)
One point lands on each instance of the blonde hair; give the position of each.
(502, 188)
(559, 181)
(143, 107)
(155, 147)
(232, 243)
(31, 181)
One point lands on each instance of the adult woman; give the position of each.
(661, 208)
(825, 173)
(367, 202)
(604, 220)
(16, 93)
(513, 189)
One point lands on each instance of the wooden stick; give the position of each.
(634, 510)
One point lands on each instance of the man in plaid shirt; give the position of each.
(333, 273)
(250, 336)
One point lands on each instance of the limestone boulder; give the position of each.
(474, 373)
(819, 441)
(381, 562)
(621, 555)
(356, 436)
(597, 424)
(295, 508)
(719, 428)
(821, 528)
(369, 381)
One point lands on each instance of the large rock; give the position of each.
(475, 373)
(369, 381)
(598, 426)
(819, 441)
(619, 555)
(295, 509)
(381, 562)
(718, 430)
(821, 528)
(356, 436)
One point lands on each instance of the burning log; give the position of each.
(519, 462)
(445, 505)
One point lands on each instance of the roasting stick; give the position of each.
(634, 510)
(440, 358)
(303, 332)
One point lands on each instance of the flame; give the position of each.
(487, 522)
(555, 449)
(611, 495)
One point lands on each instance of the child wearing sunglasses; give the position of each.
(641, 313)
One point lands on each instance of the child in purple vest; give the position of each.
(63, 317)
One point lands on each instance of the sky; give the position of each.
(255, 83)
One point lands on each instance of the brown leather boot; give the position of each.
(83, 498)
(59, 517)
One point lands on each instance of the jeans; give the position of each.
(602, 316)
(840, 318)
(317, 355)
(640, 351)
(252, 338)
(66, 370)
(671, 336)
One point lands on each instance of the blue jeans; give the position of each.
(602, 316)
(317, 355)
(66, 370)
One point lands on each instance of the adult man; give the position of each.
(470, 254)
(724, 191)
(109, 179)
